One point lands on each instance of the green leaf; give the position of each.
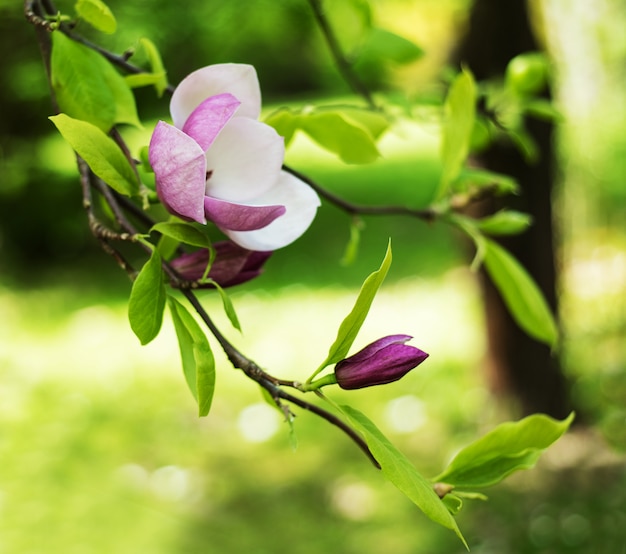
(458, 125)
(196, 354)
(400, 471)
(88, 87)
(341, 135)
(100, 152)
(520, 293)
(147, 300)
(351, 325)
(79, 85)
(383, 45)
(183, 232)
(352, 248)
(541, 108)
(508, 448)
(97, 14)
(285, 122)
(505, 222)
(137, 80)
(228, 306)
(156, 65)
(482, 178)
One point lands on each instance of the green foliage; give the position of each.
(472, 178)
(351, 325)
(157, 75)
(382, 45)
(508, 448)
(350, 133)
(147, 300)
(184, 232)
(97, 14)
(196, 354)
(504, 222)
(229, 308)
(401, 472)
(100, 152)
(520, 293)
(527, 73)
(458, 126)
(88, 87)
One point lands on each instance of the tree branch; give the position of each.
(343, 65)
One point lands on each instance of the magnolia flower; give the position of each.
(233, 265)
(385, 360)
(219, 163)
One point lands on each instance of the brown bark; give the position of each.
(518, 364)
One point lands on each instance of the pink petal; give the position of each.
(179, 166)
(240, 80)
(208, 119)
(245, 160)
(301, 203)
(238, 217)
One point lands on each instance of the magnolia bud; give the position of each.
(384, 361)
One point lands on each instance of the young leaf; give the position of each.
(520, 293)
(228, 306)
(400, 471)
(505, 222)
(351, 325)
(509, 447)
(481, 178)
(384, 45)
(340, 135)
(458, 125)
(183, 232)
(147, 300)
(97, 14)
(88, 87)
(156, 65)
(79, 85)
(100, 152)
(196, 354)
(285, 122)
(352, 248)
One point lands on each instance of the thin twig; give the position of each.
(362, 209)
(343, 65)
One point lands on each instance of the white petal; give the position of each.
(301, 202)
(240, 80)
(245, 160)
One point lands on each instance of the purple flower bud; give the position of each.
(384, 361)
(233, 264)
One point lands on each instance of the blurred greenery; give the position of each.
(100, 449)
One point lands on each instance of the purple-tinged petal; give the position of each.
(209, 118)
(233, 265)
(179, 166)
(240, 80)
(301, 203)
(244, 161)
(384, 361)
(239, 217)
(377, 345)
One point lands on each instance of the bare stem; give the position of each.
(343, 65)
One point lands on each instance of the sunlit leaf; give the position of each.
(351, 325)
(508, 448)
(384, 45)
(100, 152)
(147, 300)
(458, 125)
(183, 232)
(88, 87)
(505, 222)
(483, 178)
(97, 14)
(341, 135)
(285, 122)
(196, 354)
(520, 293)
(156, 65)
(402, 473)
(229, 308)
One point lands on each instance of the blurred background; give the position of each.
(100, 448)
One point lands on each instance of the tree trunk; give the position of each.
(518, 364)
